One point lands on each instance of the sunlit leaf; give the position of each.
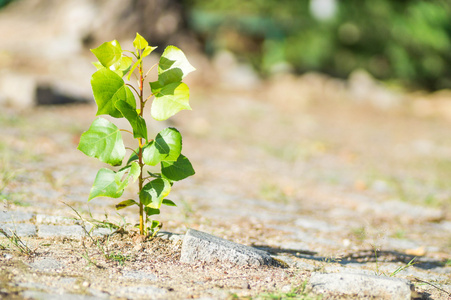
(147, 51)
(154, 192)
(108, 53)
(108, 87)
(98, 65)
(170, 100)
(174, 61)
(122, 66)
(135, 171)
(140, 42)
(106, 185)
(166, 147)
(103, 140)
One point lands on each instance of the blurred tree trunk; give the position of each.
(162, 22)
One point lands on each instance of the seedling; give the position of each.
(118, 99)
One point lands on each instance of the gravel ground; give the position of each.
(324, 187)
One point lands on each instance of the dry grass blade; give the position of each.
(434, 286)
(18, 243)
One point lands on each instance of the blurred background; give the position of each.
(295, 102)
(405, 44)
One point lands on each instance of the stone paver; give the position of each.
(14, 216)
(134, 291)
(71, 231)
(21, 229)
(200, 246)
(58, 220)
(361, 285)
(49, 296)
(139, 275)
(46, 264)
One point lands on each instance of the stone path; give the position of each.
(340, 277)
(334, 210)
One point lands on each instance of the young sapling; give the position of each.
(118, 98)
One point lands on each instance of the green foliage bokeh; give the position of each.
(407, 41)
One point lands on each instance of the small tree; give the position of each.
(118, 99)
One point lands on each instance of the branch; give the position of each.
(151, 95)
(126, 131)
(128, 84)
(132, 150)
(151, 69)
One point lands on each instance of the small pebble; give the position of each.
(286, 288)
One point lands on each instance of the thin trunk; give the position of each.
(140, 153)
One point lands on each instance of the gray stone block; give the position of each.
(361, 285)
(20, 229)
(73, 231)
(53, 296)
(46, 219)
(139, 275)
(46, 264)
(200, 246)
(136, 291)
(14, 216)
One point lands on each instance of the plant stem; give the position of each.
(140, 153)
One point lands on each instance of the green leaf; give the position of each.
(108, 53)
(177, 170)
(103, 140)
(155, 224)
(151, 211)
(98, 65)
(170, 76)
(108, 87)
(135, 170)
(147, 51)
(168, 202)
(153, 193)
(106, 184)
(155, 87)
(134, 155)
(166, 147)
(154, 175)
(125, 204)
(174, 61)
(170, 100)
(140, 42)
(122, 66)
(136, 121)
